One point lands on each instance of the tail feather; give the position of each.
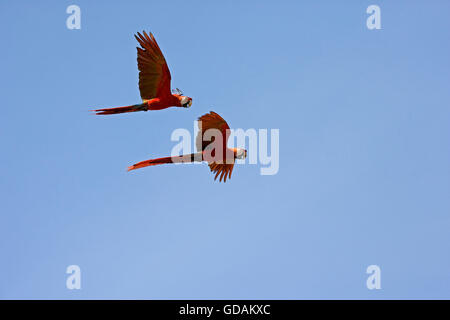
(151, 162)
(132, 108)
(180, 159)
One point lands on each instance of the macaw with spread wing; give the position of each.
(154, 81)
(211, 142)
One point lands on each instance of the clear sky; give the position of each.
(364, 151)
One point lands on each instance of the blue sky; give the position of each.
(364, 151)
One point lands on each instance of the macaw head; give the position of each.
(241, 153)
(185, 101)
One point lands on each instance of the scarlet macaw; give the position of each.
(220, 158)
(154, 81)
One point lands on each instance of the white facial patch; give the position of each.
(240, 154)
(184, 100)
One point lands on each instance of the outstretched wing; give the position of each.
(154, 74)
(224, 170)
(213, 121)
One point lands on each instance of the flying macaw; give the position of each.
(154, 81)
(220, 158)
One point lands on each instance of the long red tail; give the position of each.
(179, 159)
(133, 108)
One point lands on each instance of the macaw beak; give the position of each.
(187, 105)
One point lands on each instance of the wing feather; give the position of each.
(221, 171)
(214, 121)
(154, 74)
(211, 121)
